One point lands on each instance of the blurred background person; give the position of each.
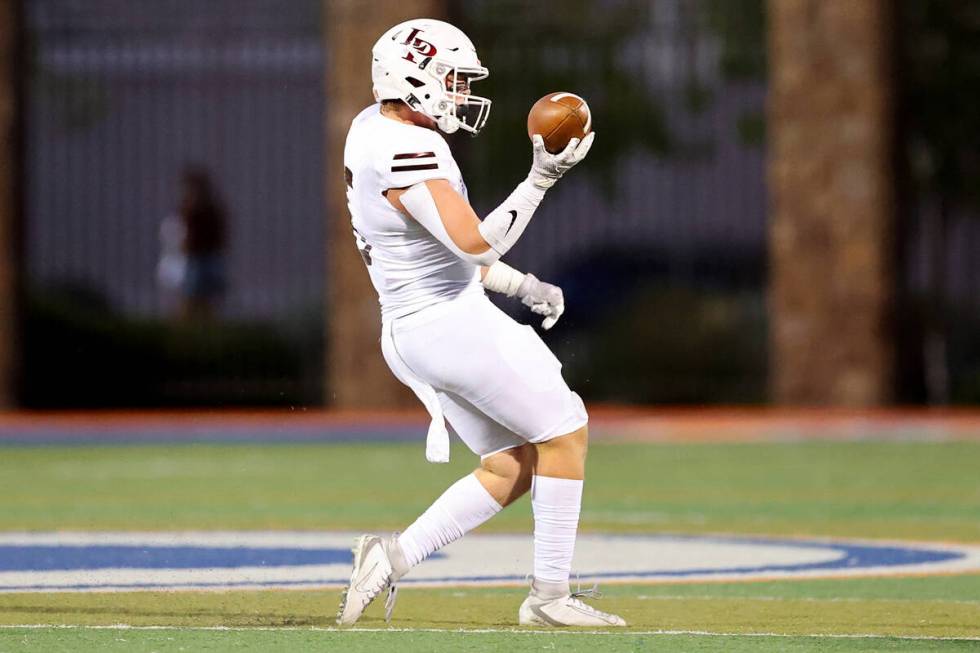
(172, 266)
(192, 248)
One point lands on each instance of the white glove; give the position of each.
(548, 168)
(542, 298)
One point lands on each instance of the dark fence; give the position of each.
(938, 93)
(123, 96)
(939, 303)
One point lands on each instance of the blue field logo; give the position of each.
(224, 560)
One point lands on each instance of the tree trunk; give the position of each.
(357, 376)
(831, 182)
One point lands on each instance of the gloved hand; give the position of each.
(548, 168)
(542, 298)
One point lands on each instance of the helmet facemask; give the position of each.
(459, 109)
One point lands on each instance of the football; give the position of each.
(559, 117)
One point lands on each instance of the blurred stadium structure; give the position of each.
(782, 205)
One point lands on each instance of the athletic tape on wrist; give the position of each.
(502, 278)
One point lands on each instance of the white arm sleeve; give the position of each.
(507, 222)
(500, 229)
(418, 201)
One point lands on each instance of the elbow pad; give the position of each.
(420, 203)
(507, 222)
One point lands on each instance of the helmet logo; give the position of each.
(421, 46)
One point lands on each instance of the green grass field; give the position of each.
(897, 490)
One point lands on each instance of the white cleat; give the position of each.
(567, 610)
(371, 576)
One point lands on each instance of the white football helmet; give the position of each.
(429, 64)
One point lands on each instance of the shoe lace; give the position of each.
(390, 602)
(589, 593)
(392, 587)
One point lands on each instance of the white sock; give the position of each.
(556, 503)
(461, 508)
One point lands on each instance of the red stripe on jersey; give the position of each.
(414, 155)
(419, 166)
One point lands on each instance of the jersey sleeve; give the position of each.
(408, 161)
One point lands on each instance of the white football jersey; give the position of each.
(409, 267)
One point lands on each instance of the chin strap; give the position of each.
(448, 124)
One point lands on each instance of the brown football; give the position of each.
(559, 117)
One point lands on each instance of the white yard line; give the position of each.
(483, 631)
(810, 599)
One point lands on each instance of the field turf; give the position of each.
(897, 490)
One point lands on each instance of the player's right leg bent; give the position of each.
(504, 475)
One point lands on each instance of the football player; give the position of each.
(493, 380)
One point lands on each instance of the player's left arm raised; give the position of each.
(446, 214)
(460, 225)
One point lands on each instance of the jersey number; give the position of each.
(364, 247)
